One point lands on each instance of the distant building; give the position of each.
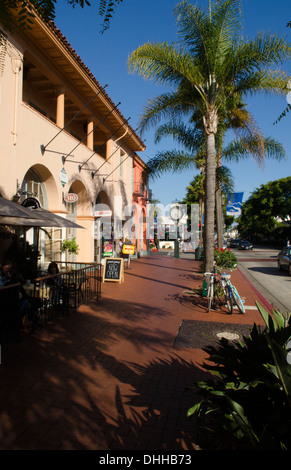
(141, 197)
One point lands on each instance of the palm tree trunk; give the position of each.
(210, 121)
(210, 202)
(219, 218)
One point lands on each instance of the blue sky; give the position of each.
(136, 22)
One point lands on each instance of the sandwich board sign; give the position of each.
(113, 270)
(128, 249)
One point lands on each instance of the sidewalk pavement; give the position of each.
(114, 375)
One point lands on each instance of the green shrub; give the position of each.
(250, 393)
(225, 258)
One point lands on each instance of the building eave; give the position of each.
(52, 44)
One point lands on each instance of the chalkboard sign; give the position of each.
(113, 270)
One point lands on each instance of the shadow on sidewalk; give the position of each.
(69, 386)
(153, 415)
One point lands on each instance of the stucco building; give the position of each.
(60, 134)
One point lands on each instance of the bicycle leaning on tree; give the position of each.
(222, 292)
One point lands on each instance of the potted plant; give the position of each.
(70, 246)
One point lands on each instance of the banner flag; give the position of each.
(234, 204)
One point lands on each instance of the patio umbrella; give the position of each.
(20, 216)
(53, 220)
(38, 222)
(12, 209)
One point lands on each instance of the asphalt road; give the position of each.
(260, 267)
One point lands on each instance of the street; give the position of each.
(260, 267)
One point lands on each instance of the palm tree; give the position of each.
(211, 65)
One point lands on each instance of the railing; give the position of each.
(70, 287)
(47, 297)
(141, 190)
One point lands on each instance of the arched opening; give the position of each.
(77, 207)
(104, 243)
(39, 185)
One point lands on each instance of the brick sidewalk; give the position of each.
(112, 375)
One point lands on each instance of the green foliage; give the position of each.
(106, 9)
(225, 258)
(270, 204)
(20, 12)
(46, 9)
(70, 246)
(251, 395)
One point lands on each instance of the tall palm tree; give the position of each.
(212, 64)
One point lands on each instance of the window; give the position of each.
(71, 232)
(53, 245)
(33, 186)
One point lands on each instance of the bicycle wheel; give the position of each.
(210, 296)
(237, 299)
(224, 298)
(228, 300)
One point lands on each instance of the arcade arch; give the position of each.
(39, 184)
(104, 243)
(81, 210)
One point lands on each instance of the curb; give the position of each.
(261, 297)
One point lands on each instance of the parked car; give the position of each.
(245, 245)
(284, 259)
(234, 242)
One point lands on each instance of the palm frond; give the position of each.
(224, 180)
(165, 106)
(188, 136)
(251, 147)
(172, 160)
(283, 114)
(163, 63)
(226, 23)
(192, 25)
(250, 58)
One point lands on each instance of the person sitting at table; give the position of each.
(55, 282)
(54, 269)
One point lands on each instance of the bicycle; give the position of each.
(229, 290)
(211, 291)
(226, 293)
